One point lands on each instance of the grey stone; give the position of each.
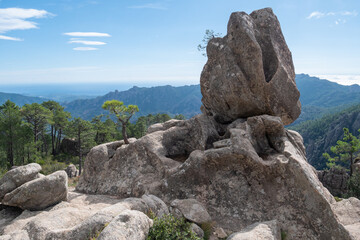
(190, 209)
(18, 176)
(250, 71)
(197, 230)
(71, 171)
(40, 193)
(264, 231)
(129, 225)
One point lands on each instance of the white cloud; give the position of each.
(10, 38)
(87, 42)
(16, 18)
(85, 49)
(317, 14)
(157, 6)
(342, 79)
(87, 34)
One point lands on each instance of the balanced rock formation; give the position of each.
(250, 71)
(236, 159)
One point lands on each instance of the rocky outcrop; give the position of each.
(256, 173)
(18, 176)
(40, 193)
(335, 180)
(250, 71)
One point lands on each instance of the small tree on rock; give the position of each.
(345, 151)
(122, 112)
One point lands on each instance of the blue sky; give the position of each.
(154, 42)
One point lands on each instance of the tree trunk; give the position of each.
(351, 164)
(53, 132)
(79, 149)
(123, 127)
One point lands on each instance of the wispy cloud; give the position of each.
(317, 14)
(87, 34)
(157, 6)
(10, 38)
(87, 42)
(16, 18)
(85, 49)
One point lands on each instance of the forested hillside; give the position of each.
(19, 99)
(184, 100)
(320, 134)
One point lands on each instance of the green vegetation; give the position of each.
(34, 132)
(283, 235)
(209, 34)
(123, 114)
(207, 227)
(97, 233)
(354, 186)
(320, 134)
(344, 151)
(171, 228)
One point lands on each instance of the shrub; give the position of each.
(169, 227)
(354, 185)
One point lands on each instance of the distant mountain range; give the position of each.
(184, 100)
(19, 99)
(318, 97)
(327, 107)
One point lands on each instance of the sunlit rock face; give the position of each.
(250, 71)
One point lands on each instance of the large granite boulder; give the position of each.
(250, 71)
(39, 193)
(249, 171)
(18, 176)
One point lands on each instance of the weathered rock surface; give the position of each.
(18, 176)
(105, 173)
(236, 159)
(82, 217)
(191, 210)
(71, 171)
(250, 71)
(348, 212)
(129, 225)
(39, 193)
(335, 180)
(264, 231)
(258, 173)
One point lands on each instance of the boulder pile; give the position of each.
(26, 188)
